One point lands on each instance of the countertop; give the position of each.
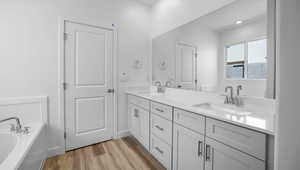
(259, 119)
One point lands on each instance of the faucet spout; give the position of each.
(18, 126)
(230, 98)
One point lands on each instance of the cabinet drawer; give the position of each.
(161, 151)
(162, 110)
(162, 128)
(251, 142)
(144, 103)
(190, 120)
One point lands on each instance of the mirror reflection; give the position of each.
(232, 46)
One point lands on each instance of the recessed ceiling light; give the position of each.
(239, 22)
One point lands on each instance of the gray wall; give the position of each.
(288, 146)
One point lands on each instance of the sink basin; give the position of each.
(222, 108)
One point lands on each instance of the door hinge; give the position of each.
(65, 135)
(64, 85)
(65, 36)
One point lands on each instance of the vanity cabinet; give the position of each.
(182, 140)
(219, 156)
(188, 149)
(245, 140)
(139, 118)
(161, 133)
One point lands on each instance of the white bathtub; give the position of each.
(23, 151)
(8, 143)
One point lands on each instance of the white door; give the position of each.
(88, 67)
(223, 157)
(188, 149)
(186, 68)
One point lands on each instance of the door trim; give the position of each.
(61, 74)
(182, 43)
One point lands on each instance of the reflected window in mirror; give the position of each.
(246, 60)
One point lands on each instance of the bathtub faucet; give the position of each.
(17, 128)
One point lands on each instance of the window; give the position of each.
(246, 60)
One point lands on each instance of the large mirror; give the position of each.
(234, 45)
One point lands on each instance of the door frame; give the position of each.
(177, 43)
(61, 73)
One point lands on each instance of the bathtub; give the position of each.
(23, 151)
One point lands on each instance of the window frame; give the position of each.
(245, 43)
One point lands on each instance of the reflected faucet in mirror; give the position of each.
(160, 88)
(238, 99)
(231, 99)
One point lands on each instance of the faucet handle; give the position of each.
(26, 130)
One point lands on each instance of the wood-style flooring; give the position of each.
(121, 154)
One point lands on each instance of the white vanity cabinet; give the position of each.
(201, 143)
(139, 117)
(161, 133)
(188, 149)
(183, 140)
(219, 156)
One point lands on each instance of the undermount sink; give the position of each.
(230, 109)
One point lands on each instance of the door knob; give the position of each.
(110, 90)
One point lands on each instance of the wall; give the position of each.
(197, 34)
(250, 31)
(170, 14)
(29, 48)
(288, 136)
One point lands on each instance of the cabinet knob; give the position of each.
(160, 110)
(159, 128)
(159, 150)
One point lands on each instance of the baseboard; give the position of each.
(55, 151)
(123, 133)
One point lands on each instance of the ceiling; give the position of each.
(148, 2)
(226, 17)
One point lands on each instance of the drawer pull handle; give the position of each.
(159, 150)
(160, 110)
(159, 128)
(207, 153)
(200, 148)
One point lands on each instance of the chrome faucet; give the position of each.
(17, 128)
(234, 100)
(168, 83)
(160, 88)
(229, 99)
(238, 99)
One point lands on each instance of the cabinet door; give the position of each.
(134, 121)
(188, 149)
(139, 124)
(144, 125)
(222, 157)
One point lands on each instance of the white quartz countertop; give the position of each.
(259, 120)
